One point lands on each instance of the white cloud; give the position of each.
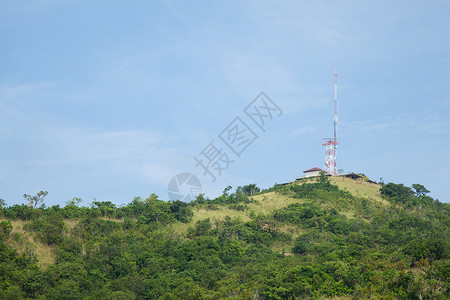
(142, 154)
(426, 122)
(306, 130)
(86, 146)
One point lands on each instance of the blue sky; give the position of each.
(110, 100)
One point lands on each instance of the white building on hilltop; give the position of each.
(312, 172)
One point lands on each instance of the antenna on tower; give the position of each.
(335, 120)
(331, 143)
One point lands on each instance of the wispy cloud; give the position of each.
(141, 153)
(308, 130)
(427, 122)
(19, 103)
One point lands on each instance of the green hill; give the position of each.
(270, 201)
(322, 238)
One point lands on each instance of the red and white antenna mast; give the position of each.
(331, 143)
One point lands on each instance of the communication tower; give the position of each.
(332, 142)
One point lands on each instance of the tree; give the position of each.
(106, 208)
(302, 244)
(419, 190)
(33, 201)
(202, 227)
(200, 199)
(323, 177)
(226, 190)
(5, 229)
(75, 201)
(2, 206)
(250, 189)
(397, 193)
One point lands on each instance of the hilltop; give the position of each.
(269, 201)
(323, 237)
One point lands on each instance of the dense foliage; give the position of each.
(395, 250)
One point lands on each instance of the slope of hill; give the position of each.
(316, 239)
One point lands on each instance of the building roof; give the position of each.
(357, 176)
(281, 184)
(312, 170)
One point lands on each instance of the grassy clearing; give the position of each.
(23, 241)
(219, 214)
(266, 204)
(348, 214)
(269, 202)
(280, 247)
(213, 215)
(112, 219)
(70, 224)
(359, 188)
(294, 231)
(45, 255)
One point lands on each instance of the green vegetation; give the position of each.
(316, 239)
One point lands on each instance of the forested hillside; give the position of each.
(317, 239)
